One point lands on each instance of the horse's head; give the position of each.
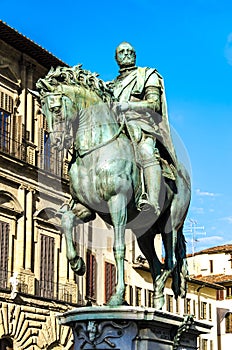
(59, 108)
(64, 93)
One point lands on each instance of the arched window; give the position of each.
(228, 320)
(6, 344)
(10, 211)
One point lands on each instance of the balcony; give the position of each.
(13, 147)
(57, 291)
(26, 283)
(53, 162)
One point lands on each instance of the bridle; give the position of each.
(64, 125)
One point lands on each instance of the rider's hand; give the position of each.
(122, 107)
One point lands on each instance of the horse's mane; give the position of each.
(75, 76)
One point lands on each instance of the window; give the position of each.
(228, 320)
(187, 308)
(6, 343)
(131, 299)
(177, 305)
(47, 151)
(138, 296)
(220, 294)
(110, 280)
(211, 266)
(194, 307)
(204, 344)
(46, 283)
(203, 310)
(210, 311)
(169, 303)
(6, 102)
(91, 276)
(4, 252)
(228, 291)
(150, 298)
(4, 131)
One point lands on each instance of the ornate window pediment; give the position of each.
(9, 76)
(9, 204)
(48, 217)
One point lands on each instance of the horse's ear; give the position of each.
(34, 93)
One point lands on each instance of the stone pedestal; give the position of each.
(131, 328)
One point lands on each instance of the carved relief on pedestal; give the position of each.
(105, 334)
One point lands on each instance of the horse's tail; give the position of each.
(180, 271)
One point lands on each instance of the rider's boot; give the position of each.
(152, 177)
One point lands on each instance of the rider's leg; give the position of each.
(152, 175)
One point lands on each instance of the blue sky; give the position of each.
(190, 43)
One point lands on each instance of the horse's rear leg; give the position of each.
(146, 244)
(175, 258)
(76, 262)
(180, 271)
(118, 211)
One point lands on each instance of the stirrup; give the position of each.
(145, 205)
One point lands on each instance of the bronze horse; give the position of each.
(105, 178)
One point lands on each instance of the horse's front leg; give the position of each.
(118, 211)
(76, 262)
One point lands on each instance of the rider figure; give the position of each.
(141, 97)
(140, 92)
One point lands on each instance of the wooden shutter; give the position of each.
(220, 294)
(110, 280)
(6, 102)
(4, 253)
(91, 276)
(47, 250)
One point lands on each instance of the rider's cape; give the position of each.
(134, 83)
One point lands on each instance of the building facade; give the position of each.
(36, 281)
(214, 265)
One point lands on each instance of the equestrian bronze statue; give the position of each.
(107, 176)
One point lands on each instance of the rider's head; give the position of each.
(125, 55)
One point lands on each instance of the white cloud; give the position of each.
(197, 210)
(205, 193)
(210, 239)
(228, 219)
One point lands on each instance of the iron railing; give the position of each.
(13, 147)
(53, 162)
(28, 284)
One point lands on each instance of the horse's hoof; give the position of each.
(78, 265)
(83, 213)
(158, 302)
(115, 300)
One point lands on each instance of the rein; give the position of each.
(113, 138)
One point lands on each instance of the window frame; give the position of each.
(110, 280)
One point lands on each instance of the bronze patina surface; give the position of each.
(124, 166)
